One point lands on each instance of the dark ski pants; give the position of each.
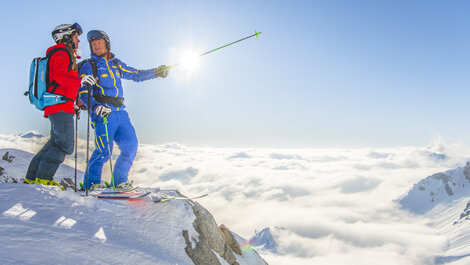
(121, 131)
(46, 162)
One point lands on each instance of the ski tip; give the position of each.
(257, 33)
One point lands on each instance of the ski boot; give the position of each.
(125, 186)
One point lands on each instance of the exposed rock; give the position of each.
(466, 171)
(465, 212)
(213, 240)
(210, 234)
(232, 243)
(7, 157)
(201, 254)
(445, 179)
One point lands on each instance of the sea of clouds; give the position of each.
(324, 206)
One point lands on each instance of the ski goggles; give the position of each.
(76, 27)
(96, 35)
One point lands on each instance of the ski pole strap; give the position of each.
(115, 101)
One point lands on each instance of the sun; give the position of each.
(189, 60)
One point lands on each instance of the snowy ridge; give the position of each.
(438, 188)
(443, 198)
(87, 230)
(14, 164)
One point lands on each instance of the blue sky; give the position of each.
(322, 74)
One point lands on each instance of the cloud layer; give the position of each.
(331, 206)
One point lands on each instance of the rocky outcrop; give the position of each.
(445, 179)
(216, 243)
(230, 239)
(200, 253)
(210, 239)
(7, 157)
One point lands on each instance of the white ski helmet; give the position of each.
(64, 32)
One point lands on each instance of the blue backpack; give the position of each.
(39, 83)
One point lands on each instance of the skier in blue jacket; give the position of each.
(107, 100)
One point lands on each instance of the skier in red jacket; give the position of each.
(63, 80)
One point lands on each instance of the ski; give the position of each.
(123, 195)
(159, 198)
(111, 191)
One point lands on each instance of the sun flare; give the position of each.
(189, 60)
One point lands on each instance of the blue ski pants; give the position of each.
(46, 162)
(121, 131)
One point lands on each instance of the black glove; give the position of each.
(103, 111)
(77, 110)
(161, 71)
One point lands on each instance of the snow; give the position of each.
(37, 219)
(438, 188)
(443, 198)
(21, 162)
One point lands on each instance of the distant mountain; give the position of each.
(31, 134)
(265, 239)
(438, 188)
(444, 199)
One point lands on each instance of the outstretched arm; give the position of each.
(137, 75)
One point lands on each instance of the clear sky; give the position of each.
(322, 74)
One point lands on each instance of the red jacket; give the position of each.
(68, 81)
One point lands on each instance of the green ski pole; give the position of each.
(105, 121)
(221, 47)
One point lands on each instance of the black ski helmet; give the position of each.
(64, 32)
(96, 35)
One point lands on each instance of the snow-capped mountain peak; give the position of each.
(438, 188)
(264, 239)
(31, 134)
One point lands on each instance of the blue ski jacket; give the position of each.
(109, 83)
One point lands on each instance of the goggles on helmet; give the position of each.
(76, 27)
(95, 35)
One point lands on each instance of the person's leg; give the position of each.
(101, 154)
(126, 139)
(34, 164)
(62, 136)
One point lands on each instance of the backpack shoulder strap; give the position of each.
(56, 49)
(94, 68)
(53, 83)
